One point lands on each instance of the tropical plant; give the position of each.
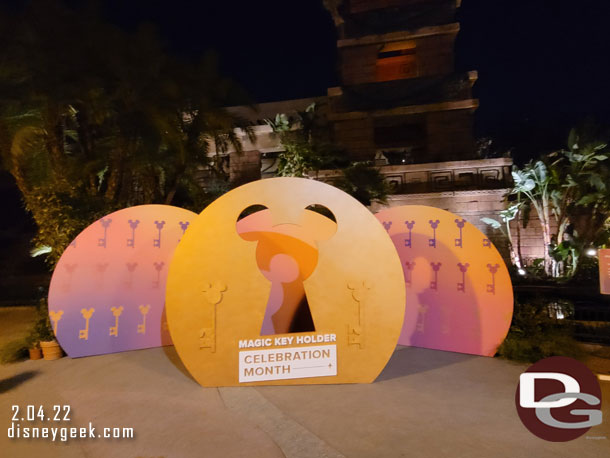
(569, 191)
(333, 8)
(506, 216)
(304, 139)
(42, 331)
(93, 119)
(581, 200)
(363, 182)
(539, 329)
(13, 351)
(307, 151)
(533, 181)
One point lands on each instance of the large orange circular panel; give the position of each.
(285, 295)
(459, 292)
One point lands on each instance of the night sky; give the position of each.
(544, 65)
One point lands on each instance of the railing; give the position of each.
(441, 176)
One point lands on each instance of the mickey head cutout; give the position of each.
(287, 270)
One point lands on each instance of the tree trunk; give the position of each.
(54, 139)
(518, 219)
(549, 265)
(514, 255)
(115, 176)
(170, 196)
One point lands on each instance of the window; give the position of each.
(396, 61)
(400, 132)
(401, 139)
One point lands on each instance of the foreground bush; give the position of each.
(13, 351)
(540, 329)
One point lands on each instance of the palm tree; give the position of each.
(93, 119)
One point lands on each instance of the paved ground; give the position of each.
(425, 404)
(598, 358)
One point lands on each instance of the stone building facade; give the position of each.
(400, 96)
(402, 107)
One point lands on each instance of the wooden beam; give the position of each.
(401, 35)
(408, 110)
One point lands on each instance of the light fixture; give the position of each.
(521, 271)
(591, 252)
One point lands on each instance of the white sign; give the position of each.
(287, 363)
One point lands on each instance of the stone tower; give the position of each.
(402, 105)
(401, 100)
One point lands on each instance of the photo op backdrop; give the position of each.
(459, 292)
(107, 292)
(307, 290)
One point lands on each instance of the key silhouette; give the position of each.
(116, 312)
(131, 267)
(101, 270)
(387, 225)
(70, 268)
(487, 243)
(184, 226)
(435, 268)
(84, 333)
(461, 286)
(131, 242)
(491, 287)
(158, 268)
(460, 225)
(434, 225)
(157, 241)
(143, 311)
(360, 294)
(103, 240)
(213, 294)
(55, 317)
(410, 224)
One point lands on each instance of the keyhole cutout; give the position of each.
(286, 254)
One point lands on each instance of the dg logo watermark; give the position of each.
(559, 399)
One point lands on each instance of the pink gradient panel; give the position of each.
(107, 293)
(459, 292)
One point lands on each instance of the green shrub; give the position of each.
(535, 332)
(587, 272)
(14, 351)
(42, 330)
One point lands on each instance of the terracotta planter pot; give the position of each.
(35, 353)
(51, 350)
